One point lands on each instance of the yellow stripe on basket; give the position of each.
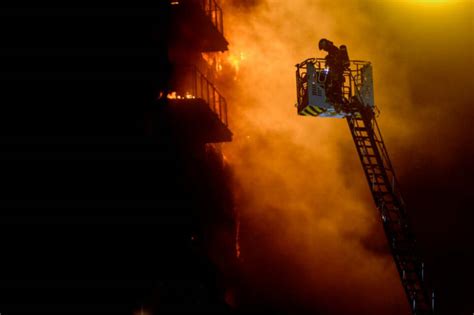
(317, 109)
(311, 110)
(309, 113)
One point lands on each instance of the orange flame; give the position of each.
(173, 96)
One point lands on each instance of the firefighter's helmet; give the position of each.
(324, 43)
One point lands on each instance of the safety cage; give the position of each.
(311, 90)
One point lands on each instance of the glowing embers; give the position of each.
(176, 96)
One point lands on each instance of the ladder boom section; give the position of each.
(387, 197)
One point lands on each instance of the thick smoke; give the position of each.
(311, 237)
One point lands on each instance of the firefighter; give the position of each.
(337, 60)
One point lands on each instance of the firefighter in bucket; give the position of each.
(337, 60)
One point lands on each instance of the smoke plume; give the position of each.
(311, 238)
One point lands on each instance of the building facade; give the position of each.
(115, 197)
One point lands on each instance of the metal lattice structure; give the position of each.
(359, 111)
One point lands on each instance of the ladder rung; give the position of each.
(376, 175)
(372, 165)
(367, 165)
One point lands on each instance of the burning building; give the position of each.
(115, 194)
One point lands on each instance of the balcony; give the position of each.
(196, 109)
(214, 12)
(189, 83)
(198, 23)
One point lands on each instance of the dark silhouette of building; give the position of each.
(113, 197)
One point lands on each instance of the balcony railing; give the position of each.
(192, 84)
(205, 19)
(204, 89)
(214, 12)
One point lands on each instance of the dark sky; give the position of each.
(310, 226)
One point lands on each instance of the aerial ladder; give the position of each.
(358, 108)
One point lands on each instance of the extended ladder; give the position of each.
(386, 194)
(357, 106)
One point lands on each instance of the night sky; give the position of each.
(311, 237)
